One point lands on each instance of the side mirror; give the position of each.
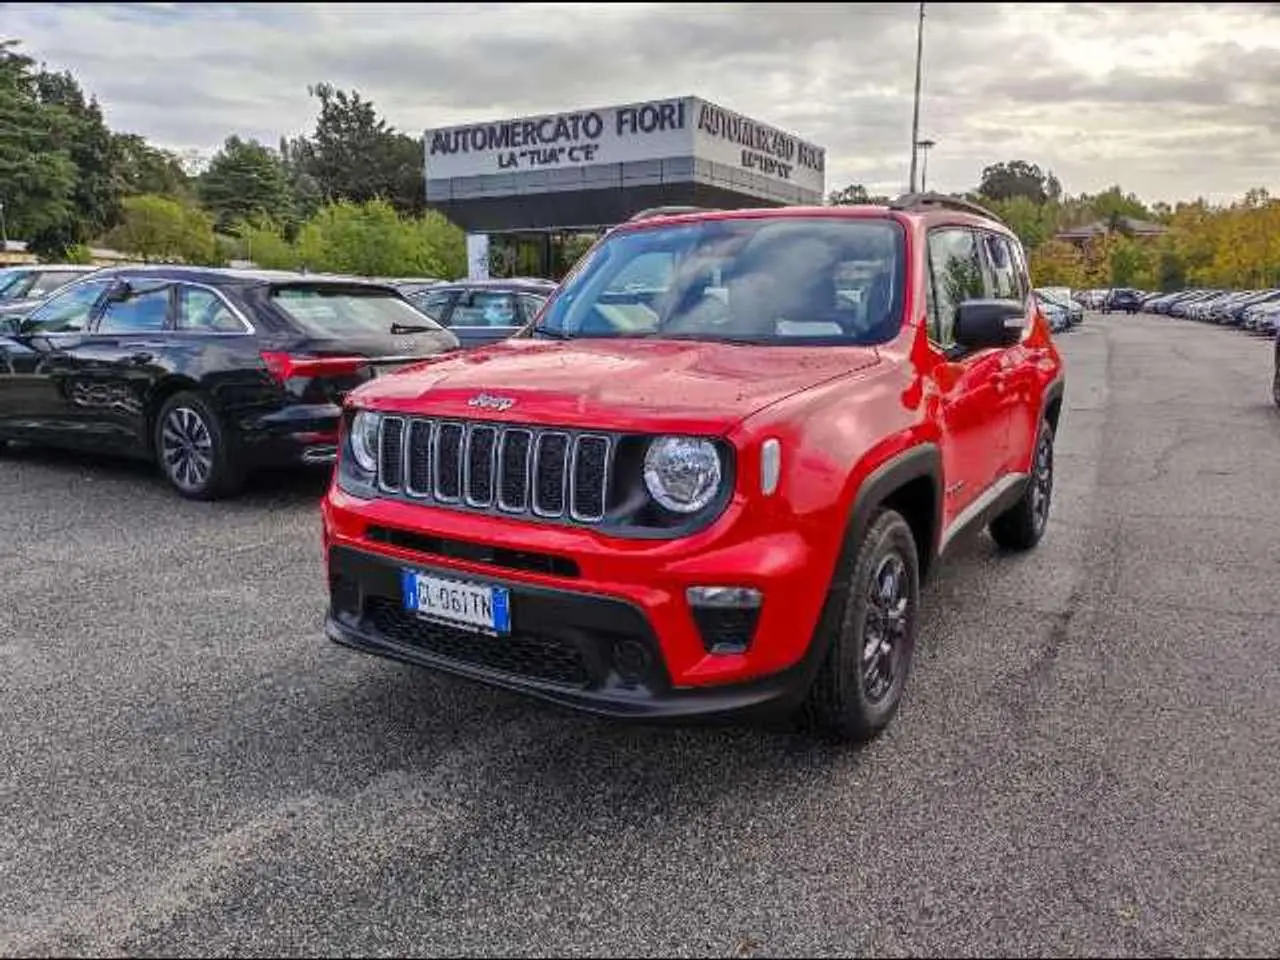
(989, 323)
(11, 326)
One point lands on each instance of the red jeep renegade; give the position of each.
(713, 472)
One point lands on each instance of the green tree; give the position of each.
(244, 181)
(1034, 223)
(161, 228)
(142, 168)
(38, 177)
(354, 155)
(1018, 178)
(82, 132)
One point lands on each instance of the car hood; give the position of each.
(611, 383)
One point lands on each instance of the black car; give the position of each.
(483, 311)
(1124, 298)
(212, 373)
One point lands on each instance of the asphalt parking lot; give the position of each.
(1088, 760)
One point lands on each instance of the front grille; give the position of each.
(521, 654)
(548, 473)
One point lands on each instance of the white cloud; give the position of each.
(1170, 100)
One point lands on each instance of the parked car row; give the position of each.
(1257, 311)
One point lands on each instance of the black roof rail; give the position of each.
(923, 201)
(669, 211)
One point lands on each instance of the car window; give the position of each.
(532, 303)
(955, 275)
(46, 283)
(206, 312)
(146, 311)
(483, 308)
(68, 311)
(1006, 283)
(334, 310)
(434, 305)
(15, 283)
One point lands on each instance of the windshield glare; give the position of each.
(775, 280)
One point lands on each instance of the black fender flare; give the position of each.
(921, 460)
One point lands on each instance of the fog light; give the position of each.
(722, 597)
(726, 617)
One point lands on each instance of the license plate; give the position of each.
(473, 606)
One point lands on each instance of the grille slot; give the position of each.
(418, 459)
(447, 460)
(482, 446)
(391, 453)
(550, 461)
(550, 474)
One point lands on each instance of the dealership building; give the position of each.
(522, 183)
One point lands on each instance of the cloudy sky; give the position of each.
(1169, 100)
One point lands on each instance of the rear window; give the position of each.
(326, 311)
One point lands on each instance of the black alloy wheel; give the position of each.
(193, 449)
(186, 449)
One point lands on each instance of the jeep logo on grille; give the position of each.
(487, 401)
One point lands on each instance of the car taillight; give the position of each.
(285, 366)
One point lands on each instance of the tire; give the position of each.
(847, 701)
(1275, 385)
(1022, 525)
(193, 451)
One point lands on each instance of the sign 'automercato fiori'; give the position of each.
(654, 130)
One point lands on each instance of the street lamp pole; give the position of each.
(925, 146)
(915, 113)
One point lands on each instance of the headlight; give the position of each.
(682, 473)
(364, 439)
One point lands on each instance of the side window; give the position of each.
(485, 309)
(203, 311)
(532, 304)
(1006, 281)
(144, 312)
(434, 305)
(955, 275)
(1020, 266)
(66, 312)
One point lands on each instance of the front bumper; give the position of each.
(576, 649)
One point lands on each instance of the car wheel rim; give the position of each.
(1042, 481)
(186, 446)
(886, 630)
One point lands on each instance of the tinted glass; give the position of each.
(144, 312)
(775, 280)
(68, 311)
(340, 311)
(433, 305)
(203, 310)
(485, 309)
(1005, 281)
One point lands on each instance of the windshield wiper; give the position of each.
(410, 328)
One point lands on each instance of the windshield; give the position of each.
(326, 311)
(14, 283)
(772, 280)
